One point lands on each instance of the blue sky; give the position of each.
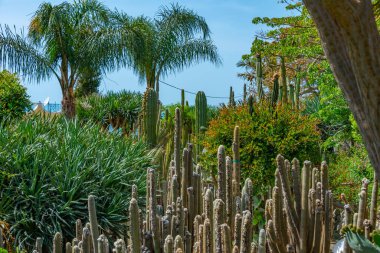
(232, 32)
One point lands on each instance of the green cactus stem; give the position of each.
(259, 77)
(283, 81)
(298, 87)
(275, 90)
(151, 113)
(250, 105)
(245, 93)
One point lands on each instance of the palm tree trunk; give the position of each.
(68, 103)
(351, 43)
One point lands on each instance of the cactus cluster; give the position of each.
(187, 213)
(299, 214)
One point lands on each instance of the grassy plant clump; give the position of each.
(266, 132)
(50, 165)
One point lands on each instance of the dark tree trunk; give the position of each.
(351, 43)
(68, 103)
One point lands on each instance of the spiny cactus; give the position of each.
(250, 105)
(151, 114)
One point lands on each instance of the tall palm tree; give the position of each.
(63, 41)
(176, 39)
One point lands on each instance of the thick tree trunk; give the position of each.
(68, 103)
(351, 43)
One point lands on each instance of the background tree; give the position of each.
(14, 100)
(62, 41)
(177, 38)
(354, 61)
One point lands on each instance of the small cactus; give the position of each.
(57, 243)
(93, 222)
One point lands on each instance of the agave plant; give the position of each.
(50, 165)
(117, 109)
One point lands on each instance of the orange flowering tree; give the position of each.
(263, 135)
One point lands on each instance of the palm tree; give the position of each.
(176, 39)
(64, 41)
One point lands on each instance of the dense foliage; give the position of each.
(49, 166)
(293, 40)
(262, 136)
(14, 100)
(120, 110)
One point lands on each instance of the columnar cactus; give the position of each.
(246, 232)
(245, 93)
(231, 102)
(229, 195)
(151, 115)
(93, 222)
(259, 77)
(200, 111)
(134, 227)
(292, 96)
(250, 105)
(275, 90)
(57, 243)
(221, 190)
(177, 142)
(236, 163)
(298, 87)
(283, 80)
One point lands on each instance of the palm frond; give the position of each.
(19, 54)
(184, 55)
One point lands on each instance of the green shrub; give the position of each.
(117, 109)
(347, 170)
(14, 101)
(51, 165)
(263, 135)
